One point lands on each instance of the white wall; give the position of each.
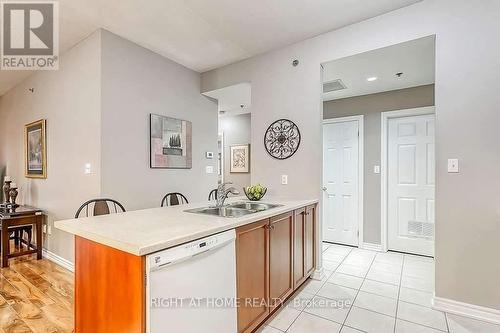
(135, 83)
(237, 131)
(70, 101)
(467, 67)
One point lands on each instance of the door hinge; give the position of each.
(358, 233)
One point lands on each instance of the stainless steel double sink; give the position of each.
(236, 209)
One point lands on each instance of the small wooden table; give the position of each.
(20, 216)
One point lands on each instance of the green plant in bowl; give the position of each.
(255, 192)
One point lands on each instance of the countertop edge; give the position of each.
(70, 227)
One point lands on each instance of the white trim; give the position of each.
(372, 247)
(385, 116)
(361, 170)
(58, 260)
(467, 310)
(318, 274)
(222, 156)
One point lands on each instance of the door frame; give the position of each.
(385, 117)
(361, 170)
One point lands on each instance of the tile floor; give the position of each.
(365, 291)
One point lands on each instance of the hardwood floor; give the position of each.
(35, 296)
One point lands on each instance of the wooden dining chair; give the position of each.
(96, 207)
(212, 195)
(174, 199)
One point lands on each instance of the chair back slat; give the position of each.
(174, 199)
(99, 207)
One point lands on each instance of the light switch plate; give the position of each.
(88, 168)
(209, 169)
(209, 155)
(453, 165)
(284, 179)
(376, 169)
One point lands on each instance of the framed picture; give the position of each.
(35, 150)
(240, 159)
(170, 143)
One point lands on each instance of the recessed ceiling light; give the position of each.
(371, 79)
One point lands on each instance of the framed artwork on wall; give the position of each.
(240, 159)
(170, 143)
(35, 149)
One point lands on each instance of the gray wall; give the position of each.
(371, 106)
(467, 50)
(237, 130)
(135, 83)
(69, 99)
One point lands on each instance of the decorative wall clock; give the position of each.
(282, 139)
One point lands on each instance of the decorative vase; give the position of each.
(6, 190)
(13, 196)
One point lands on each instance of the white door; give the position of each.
(341, 182)
(411, 183)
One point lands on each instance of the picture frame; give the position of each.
(35, 149)
(170, 143)
(240, 158)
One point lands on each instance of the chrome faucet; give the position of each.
(222, 193)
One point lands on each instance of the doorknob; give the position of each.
(324, 188)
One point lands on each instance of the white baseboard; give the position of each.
(318, 274)
(58, 260)
(466, 310)
(372, 247)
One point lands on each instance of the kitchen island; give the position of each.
(275, 247)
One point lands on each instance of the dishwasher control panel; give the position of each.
(188, 250)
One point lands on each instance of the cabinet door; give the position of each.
(309, 236)
(252, 266)
(298, 247)
(280, 258)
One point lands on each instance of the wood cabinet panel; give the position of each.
(252, 253)
(298, 247)
(309, 237)
(109, 289)
(280, 258)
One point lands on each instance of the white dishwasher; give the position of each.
(191, 288)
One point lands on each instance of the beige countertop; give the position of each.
(146, 231)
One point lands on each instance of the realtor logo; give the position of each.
(29, 35)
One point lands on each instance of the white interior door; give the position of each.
(341, 182)
(411, 184)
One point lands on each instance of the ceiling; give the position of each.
(415, 59)
(233, 100)
(203, 35)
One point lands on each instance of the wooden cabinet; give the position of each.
(304, 250)
(273, 258)
(280, 258)
(110, 294)
(252, 269)
(309, 237)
